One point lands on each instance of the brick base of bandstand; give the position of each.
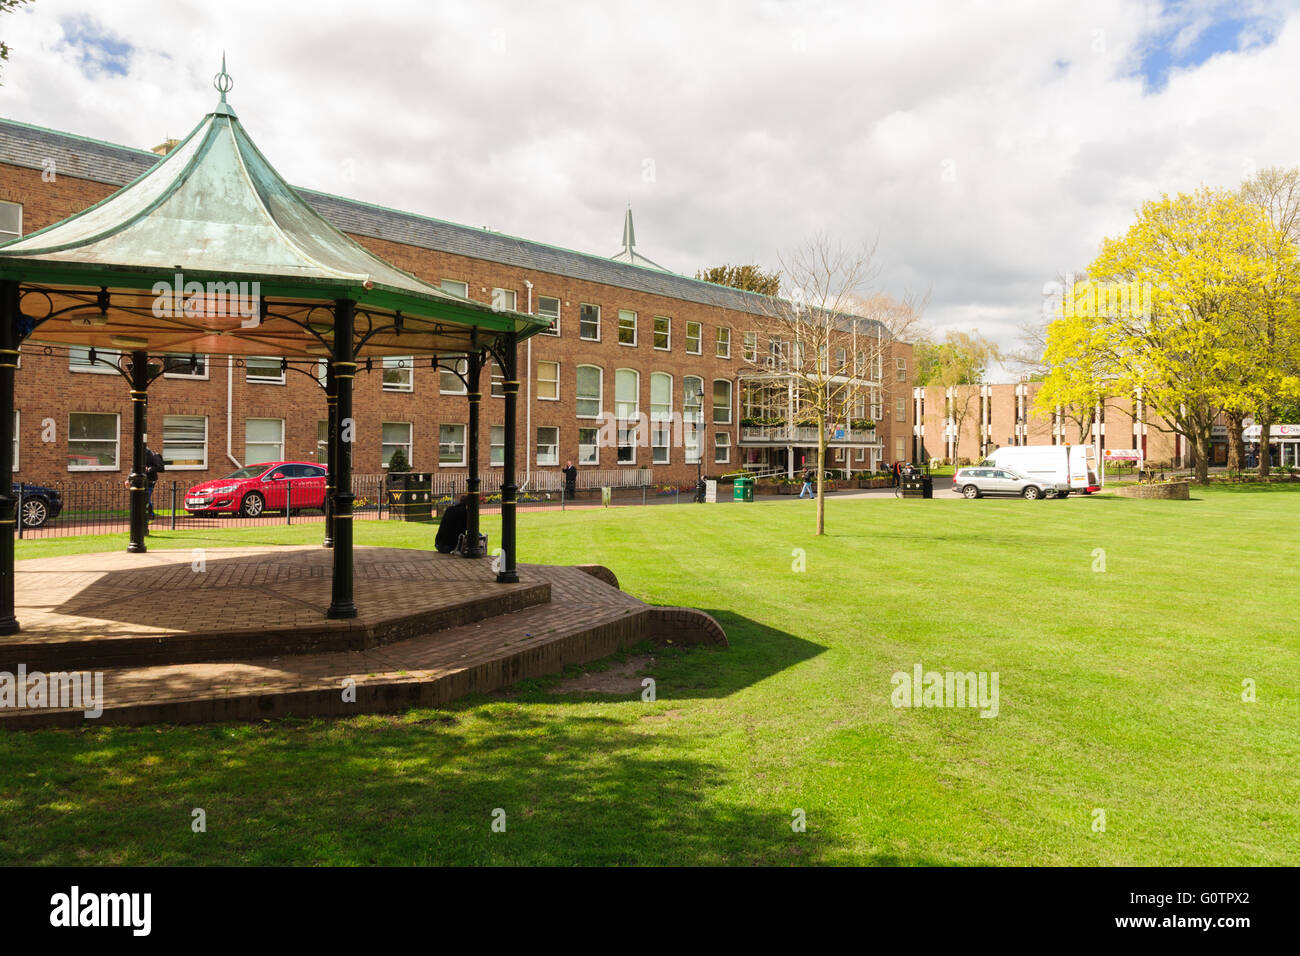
(241, 634)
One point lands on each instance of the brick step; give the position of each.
(427, 671)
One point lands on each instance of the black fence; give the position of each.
(67, 508)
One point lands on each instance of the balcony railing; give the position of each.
(803, 435)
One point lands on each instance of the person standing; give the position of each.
(570, 480)
(153, 464)
(808, 477)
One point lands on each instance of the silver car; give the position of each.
(987, 480)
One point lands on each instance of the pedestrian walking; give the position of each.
(807, 488)
(153, 465)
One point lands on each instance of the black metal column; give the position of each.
(345, 370)
(474, 368)
(139, 483)
(510, 372)
(331, 450)
(9, 315)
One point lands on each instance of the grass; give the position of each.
(1119, 690)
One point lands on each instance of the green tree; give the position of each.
(957, 363)
(746, 278)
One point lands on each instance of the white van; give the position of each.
(1065, 467)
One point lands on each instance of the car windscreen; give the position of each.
(248, 471)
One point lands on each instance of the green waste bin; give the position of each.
(742, 489)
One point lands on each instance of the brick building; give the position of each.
(628, 338)
(969, 421)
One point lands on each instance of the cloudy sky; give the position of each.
(988, 146)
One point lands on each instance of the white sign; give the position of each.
(710, 491)
(1122, 454)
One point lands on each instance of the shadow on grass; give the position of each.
(420, 788)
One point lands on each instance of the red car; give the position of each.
(254, 489)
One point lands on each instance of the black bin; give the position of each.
(410, 496)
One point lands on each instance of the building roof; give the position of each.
(34, 147)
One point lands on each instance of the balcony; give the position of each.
(803, 435)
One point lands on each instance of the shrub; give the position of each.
(398, 463)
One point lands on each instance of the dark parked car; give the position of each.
(39, 504)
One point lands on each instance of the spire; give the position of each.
(223, 84)
(629, 234)
(628, 253)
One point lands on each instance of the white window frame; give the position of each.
(661, 421)
(407, 446)
(444, 283)
(699, 337)
(900, 366)
(622, 314)
(6, 234)
(280, 444)
(620, 419)
(493, 445)
(668, 334)
(505, 300)
(163, 449)
(463, 432)
(403, 363)
(117, 443)
(554, 328)
(594, 445)
(588, 305)
(554, 446)
(723, 339)
(749, 346)
(731, 401)
(722, 450)
(546, 381)
(600, 393)
(462, 365)
(16, 442)
(207, 368)
(98, 368)
(252, 379)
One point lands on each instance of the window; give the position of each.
(661, 413)
(263, 440)
(548, 446)
(503, 300)
(322, 441)
(548, 381)
(589, 322)
(859, 363)
(589, 446)
(721, 402)
(92, 441)
(590, 401)
(449, 382)
(11, 221)
(398, 374)
(900, 409)
(497, 446)
(694, 338)
(185, 442)
(859, 405)
(724, 342)
(185, 366)
(394, 435)
(841, 359)
(627, 387)
(455, 287)
(749, 347)
(626, 327)
(663, 333)
(721, 448)
(263, 369)
(902, 368)
(497, 380)
(451, 445)
(549, 306)
(692, 416)
(105, 360)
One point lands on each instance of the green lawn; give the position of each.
(1119, 691)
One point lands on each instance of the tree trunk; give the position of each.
(1236, 444)
(1202, 443)
(1264, 419)
(821, 474)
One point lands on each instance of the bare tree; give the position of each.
(815, 340)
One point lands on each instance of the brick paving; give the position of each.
(451, 630)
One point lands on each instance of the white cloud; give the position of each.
(990, 146)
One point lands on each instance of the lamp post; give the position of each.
(695, 399)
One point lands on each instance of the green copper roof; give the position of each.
(214, 208)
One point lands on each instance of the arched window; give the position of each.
(721, 402)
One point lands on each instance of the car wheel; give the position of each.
(970, 491)
(1031, 493)
(35, 512)
(252, 505)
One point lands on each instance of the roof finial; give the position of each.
(223, 81)
(629, 235)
